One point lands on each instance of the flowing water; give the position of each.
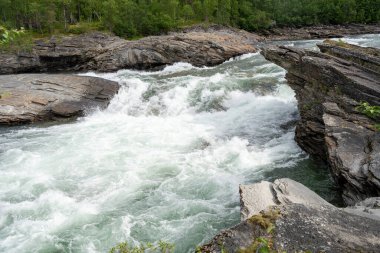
(163, 161)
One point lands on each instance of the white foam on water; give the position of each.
(163, 161)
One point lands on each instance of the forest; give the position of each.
(134, 18)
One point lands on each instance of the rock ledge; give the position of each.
(29, 98)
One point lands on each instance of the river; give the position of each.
(162, 162)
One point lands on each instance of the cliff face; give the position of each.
(329, 86)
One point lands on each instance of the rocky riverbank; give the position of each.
(329, 87)
(317, 32)
(30, 98)
(106, 53)
(198, 45)
(285, 216)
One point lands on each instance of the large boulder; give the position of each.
(295, 219)
(103, 52)
(329, 86)
(257, 197)
(29, 98)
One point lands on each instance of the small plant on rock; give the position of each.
(160, 247)
(371, 111)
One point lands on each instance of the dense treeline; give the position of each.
(143, 17)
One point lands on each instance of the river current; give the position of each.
(162, 162)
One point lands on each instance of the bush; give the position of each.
(370, 111)
(15, 40)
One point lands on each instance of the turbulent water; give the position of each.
(162, 162)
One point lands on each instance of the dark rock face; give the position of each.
(329, 87)
(102, 52)
(28, 98)
(299, 221)
(316, 32)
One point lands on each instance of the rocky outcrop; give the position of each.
(329, 86)
(298, 220)
(257, 197)
(28, 98)
(317, 32)
(103, 52)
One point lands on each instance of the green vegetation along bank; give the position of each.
(135, 18)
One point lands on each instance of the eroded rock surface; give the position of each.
(298, 220)
(28, 98)
(102, 52)
(329, 86)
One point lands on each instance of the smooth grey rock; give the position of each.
(257, 197)
(289, 191)
(29, 98)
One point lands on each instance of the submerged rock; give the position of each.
(295, 219)
(329, 86)
(28, 98)
(103, 52)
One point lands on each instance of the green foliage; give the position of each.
(7, 36)
(370, 111)
(15, 40)
(131, 18)
(84, 27)
(160, 247)
(260, 245)
(266, 219)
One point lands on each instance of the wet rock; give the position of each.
(298, 220)
(329, 85)
(29, 98)
(103, 52)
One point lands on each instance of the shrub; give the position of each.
(15, 40)
(370, 111)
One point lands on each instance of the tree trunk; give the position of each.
(64, 17)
